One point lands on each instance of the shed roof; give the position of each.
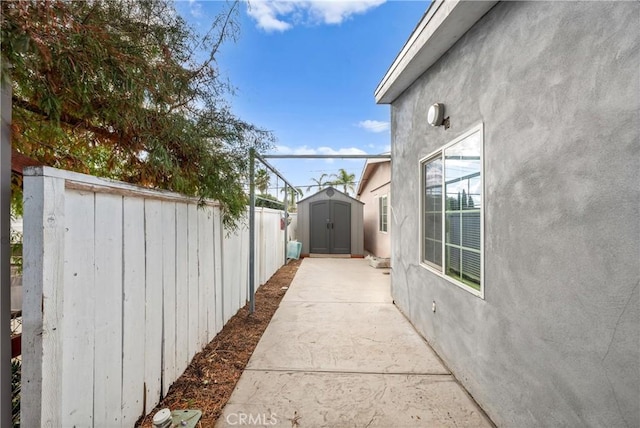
(325, 191)
(445, 22)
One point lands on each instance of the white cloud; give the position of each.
(195, 8)
(374, 125)
(342, 151)
(282, 15)
(305, 150)
(302, 150)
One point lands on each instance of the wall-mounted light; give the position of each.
(435, 116)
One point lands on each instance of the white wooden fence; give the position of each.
(122, 287)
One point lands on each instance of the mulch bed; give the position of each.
(213, 373)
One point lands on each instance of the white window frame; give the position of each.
(479, 128)
(386, 217)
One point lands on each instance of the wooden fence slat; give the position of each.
(261, 253)
(217, 252)
(204, 262)
(230, 274)
(210, 277)
(168, 295)
(237, 285)
(272, 222)
(79, 312)
(107, 400)
(182, 289)
(42, 329)
(192, 255)
(276, 236)
(267, 219)
(243, 268)
(153, 298)
(133, 342)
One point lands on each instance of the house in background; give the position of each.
(330, 222)
(374, 190)
(515, 242)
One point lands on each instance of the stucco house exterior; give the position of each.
(374, 189)
(516, 232)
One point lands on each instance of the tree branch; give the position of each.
(66, 118)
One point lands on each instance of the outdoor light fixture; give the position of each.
(435, 115)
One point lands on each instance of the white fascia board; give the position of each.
(443, 25)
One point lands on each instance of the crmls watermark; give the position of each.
(241, 418)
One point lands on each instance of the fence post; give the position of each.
(42, 299)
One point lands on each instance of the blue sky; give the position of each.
(306, 70)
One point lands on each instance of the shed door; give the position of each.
(319, 227)
(330, 227)
(340, 227)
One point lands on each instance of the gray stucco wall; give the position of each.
(556, 340)
(357, 228)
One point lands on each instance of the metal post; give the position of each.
(286, 220)
(5, 258)
(252, 231)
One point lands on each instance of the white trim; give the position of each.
(90, 183)
(479, 293)
(445, 22)
(459, 284)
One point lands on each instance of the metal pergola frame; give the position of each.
(253, 155)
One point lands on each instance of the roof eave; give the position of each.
(324, 190)
(442, 26)
(367, 171)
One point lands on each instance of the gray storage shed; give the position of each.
(330, 222)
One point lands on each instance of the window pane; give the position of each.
(463, 191)
(429, 252)
(437, 256)
(453, 228)
(437, 227)
(452, 262)
(433, 185)
(471, 268)
(471, 229)
(432, 211)
(433, 226)
(474, 193)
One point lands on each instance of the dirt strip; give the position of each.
(213, 373)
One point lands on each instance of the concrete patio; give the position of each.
(338, 353)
